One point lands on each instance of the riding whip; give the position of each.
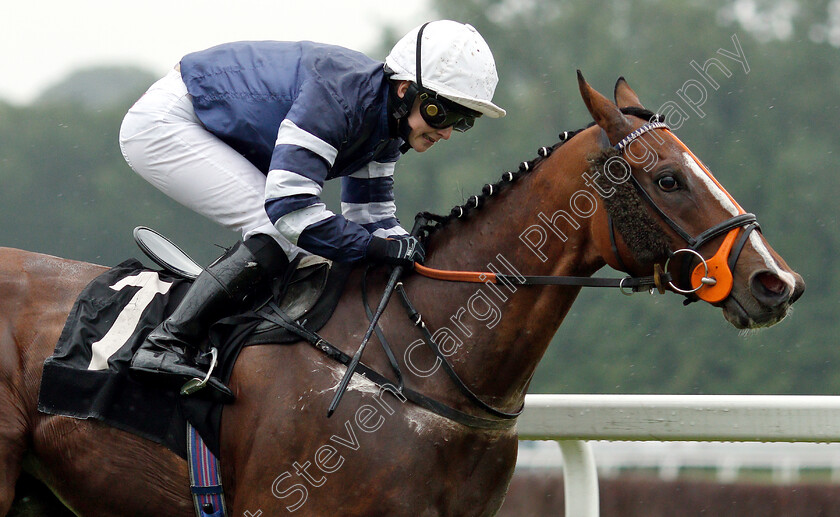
(419, 222)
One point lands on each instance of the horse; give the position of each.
(623, 192)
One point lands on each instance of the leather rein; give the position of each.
(711, 280)
(499, 420)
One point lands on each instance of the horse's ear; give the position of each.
(604, 113)
(625, 97)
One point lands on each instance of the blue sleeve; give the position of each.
(308, 141)
(367, 198)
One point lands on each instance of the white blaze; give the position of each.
(727, 204)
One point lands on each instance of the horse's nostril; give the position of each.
(769, 289)
(772, 283)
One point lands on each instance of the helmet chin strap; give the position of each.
(400, 108)
(404, 129)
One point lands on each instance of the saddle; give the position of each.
(88, 374)
(308, 294)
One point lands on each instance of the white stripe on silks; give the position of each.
(290, 134)
(280, 183)
(390, 232)
(375, 170)
(365, 213)
(294, 223)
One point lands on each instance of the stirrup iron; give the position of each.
(195, 384)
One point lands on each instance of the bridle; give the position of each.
(712, 279)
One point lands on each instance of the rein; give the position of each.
(274, 314)
(417, 319)
(636, 284)
(711, 279)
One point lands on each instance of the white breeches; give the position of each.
(163, 141)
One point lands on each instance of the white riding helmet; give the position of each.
(455, 63)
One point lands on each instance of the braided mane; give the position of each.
(437, 222)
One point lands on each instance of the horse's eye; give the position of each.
(668, 183)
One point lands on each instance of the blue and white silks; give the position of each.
(305, 113)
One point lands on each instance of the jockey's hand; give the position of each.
(404, 251)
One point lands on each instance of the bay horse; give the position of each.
(564, 214)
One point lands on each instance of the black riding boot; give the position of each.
(173, 348)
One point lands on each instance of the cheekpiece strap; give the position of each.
(627, 140)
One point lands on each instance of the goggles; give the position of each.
(441, 113)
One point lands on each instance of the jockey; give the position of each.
(246, 134)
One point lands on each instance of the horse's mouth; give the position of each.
(756, 317)
(764, 302)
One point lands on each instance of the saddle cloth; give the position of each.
(88, 374)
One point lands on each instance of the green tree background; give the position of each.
(768, 134)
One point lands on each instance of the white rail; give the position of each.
(574, 419)
(784, 461)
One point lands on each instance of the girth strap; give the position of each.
(205, 478)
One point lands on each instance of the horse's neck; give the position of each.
(505, 330)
